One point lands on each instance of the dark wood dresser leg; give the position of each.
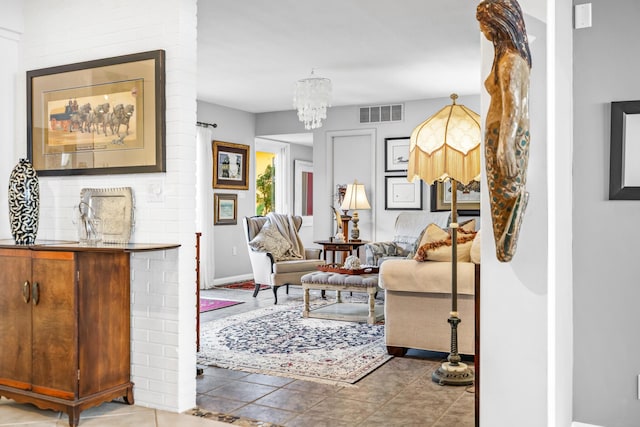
(74, 416)
(128, 398)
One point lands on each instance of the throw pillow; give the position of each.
(475, 249)
(465, 227)
(436, 243)
(269, 239)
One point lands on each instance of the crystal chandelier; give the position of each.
(311, 99)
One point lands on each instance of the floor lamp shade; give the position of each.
(446, 145)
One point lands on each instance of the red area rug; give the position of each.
(209, 304)
(247, 285)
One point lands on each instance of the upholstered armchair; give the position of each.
(409, 227)
(277, 255)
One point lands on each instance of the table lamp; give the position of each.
(355, 198)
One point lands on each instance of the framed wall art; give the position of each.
(230, 165)
(225, 209)
(624, 175)
(401, 194)
(303, 189)
(98, 117)
(396, 154)
(468, 201)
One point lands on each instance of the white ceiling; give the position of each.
(251, 52)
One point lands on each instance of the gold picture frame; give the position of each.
(468, 203)
(98, 117)
(230, 165)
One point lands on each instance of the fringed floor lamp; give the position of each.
(446, 146)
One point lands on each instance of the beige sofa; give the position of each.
(418, 303)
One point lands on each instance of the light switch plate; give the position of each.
(155, 192)
(582, 16)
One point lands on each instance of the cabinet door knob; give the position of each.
(26, 294)
(36, 293)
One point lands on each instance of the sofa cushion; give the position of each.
(269, 239)
(297, 265)
(407, 275)
(435, 244)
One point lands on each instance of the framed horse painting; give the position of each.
(98, 117)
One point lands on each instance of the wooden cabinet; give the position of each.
(64, 333)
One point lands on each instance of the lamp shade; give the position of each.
(446, 145)
(355, 198)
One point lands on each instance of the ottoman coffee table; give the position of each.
(338, 282)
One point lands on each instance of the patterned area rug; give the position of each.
(279, 341)
(209, 304)
(247, 285)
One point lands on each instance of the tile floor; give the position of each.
(105, 415)
(399, 393)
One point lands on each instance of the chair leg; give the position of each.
(287, 289)
(275, 294)
(257, 288)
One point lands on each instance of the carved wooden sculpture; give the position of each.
(507, 122)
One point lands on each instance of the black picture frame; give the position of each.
(396, 154)
(402, 195)
(621, 130)
(76, 113)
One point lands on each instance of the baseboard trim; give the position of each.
(577, 424)
(232, 279)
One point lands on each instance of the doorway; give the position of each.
(273, 174)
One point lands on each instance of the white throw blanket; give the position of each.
(286, 227)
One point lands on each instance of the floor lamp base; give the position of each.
(448, 374)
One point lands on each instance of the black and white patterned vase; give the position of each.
(24, 203)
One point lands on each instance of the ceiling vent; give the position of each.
(382, 113)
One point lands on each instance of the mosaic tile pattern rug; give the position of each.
(279, 341)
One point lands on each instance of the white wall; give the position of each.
(11, 28)
(163, 283)
(514, 295)
(606, 291)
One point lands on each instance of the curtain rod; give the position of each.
(203, 124)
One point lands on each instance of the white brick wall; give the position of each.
(163, 282)
(9, 46)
